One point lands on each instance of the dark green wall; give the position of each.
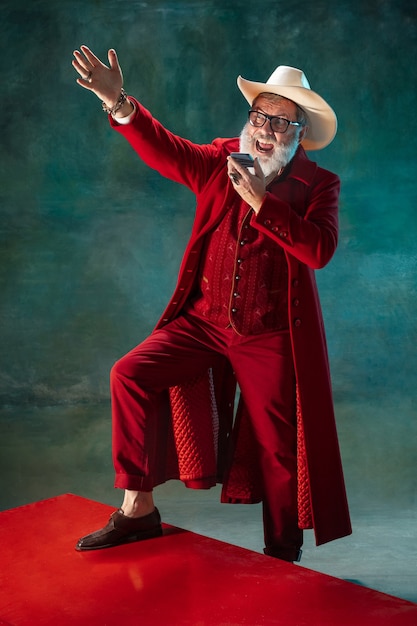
(91, 240)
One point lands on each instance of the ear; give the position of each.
(302, 133)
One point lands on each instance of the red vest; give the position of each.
(243, 278)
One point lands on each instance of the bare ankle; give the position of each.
(137, 503)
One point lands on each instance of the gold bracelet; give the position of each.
(120, 102)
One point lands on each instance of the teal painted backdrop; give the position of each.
(91, 240)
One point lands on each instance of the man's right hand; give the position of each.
(106, 82)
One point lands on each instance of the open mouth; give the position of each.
(264, 148)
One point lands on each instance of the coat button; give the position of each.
(295, 282)
(297, 322)
(296, 302)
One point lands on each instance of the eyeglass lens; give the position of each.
(278, 124)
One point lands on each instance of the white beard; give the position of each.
(274, 161)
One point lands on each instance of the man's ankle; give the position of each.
(137, 504)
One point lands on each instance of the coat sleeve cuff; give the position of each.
(273, 218)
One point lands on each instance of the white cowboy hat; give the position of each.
(292, 84)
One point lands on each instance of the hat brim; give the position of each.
(322, 120)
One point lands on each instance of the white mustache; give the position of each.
(265, 139)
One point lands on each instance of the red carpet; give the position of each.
(178, 579)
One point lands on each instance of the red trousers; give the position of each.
(264, 371)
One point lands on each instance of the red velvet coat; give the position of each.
(303, 220)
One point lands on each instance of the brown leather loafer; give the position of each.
(121, 529)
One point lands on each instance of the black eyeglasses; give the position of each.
(278, 124)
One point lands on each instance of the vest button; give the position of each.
(297, 322)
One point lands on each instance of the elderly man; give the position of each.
(245, 314)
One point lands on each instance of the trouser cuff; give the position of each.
(285, 554)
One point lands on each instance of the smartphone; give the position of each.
(243, 158)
